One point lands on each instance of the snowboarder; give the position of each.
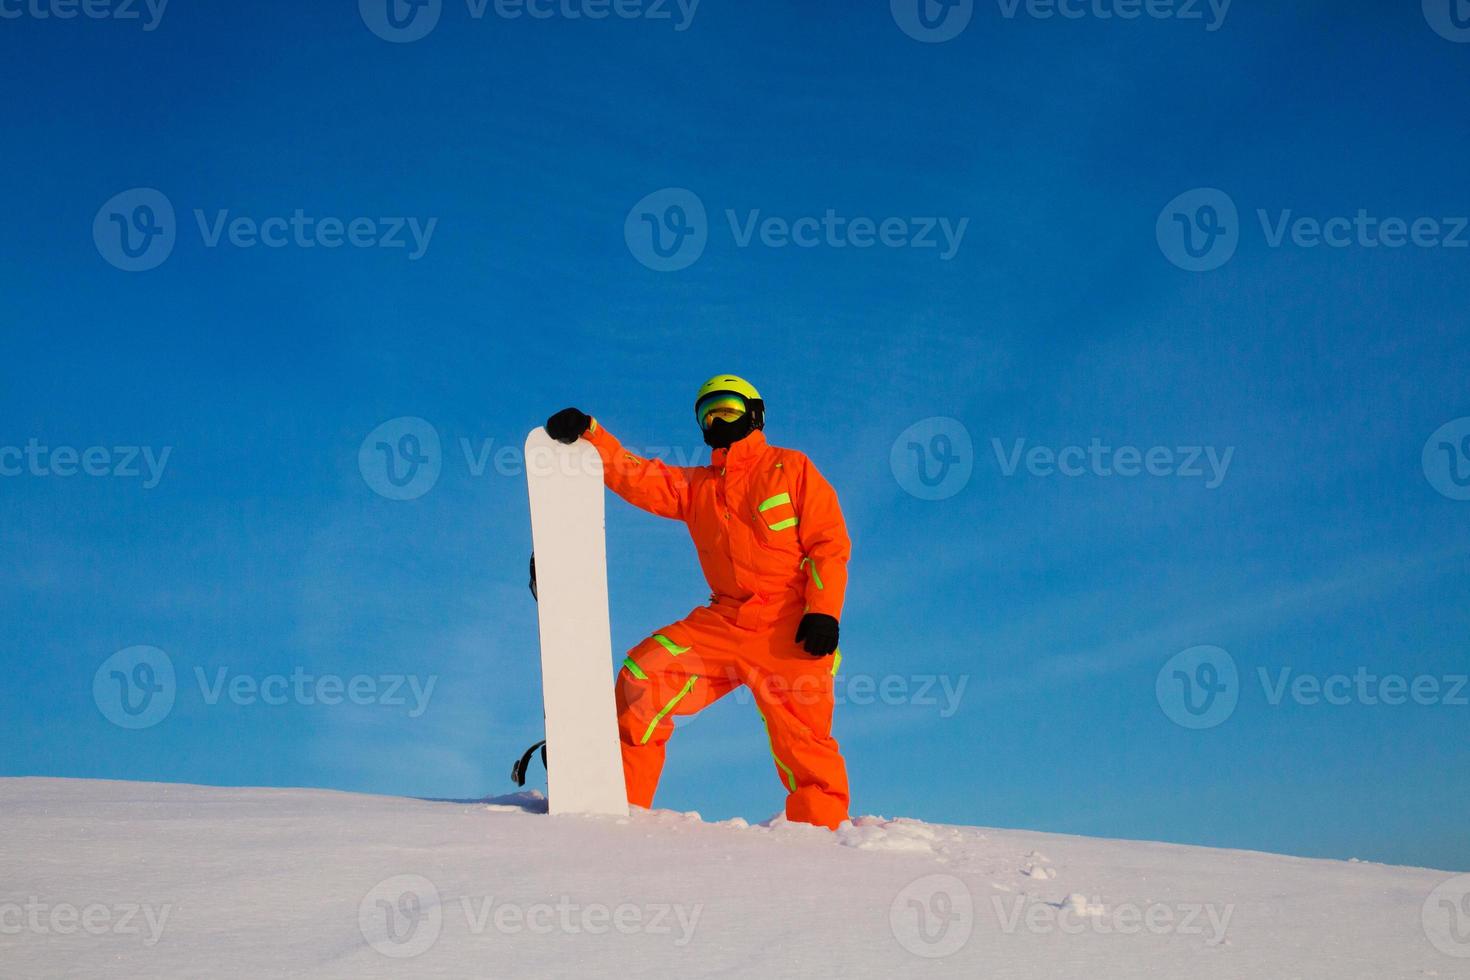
(774, 549)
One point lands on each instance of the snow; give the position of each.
(115, 879)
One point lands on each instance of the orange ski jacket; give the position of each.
(767, 525)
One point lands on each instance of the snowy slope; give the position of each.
(112, 879)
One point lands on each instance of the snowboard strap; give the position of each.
(518, 770)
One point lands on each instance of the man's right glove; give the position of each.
(568, 425)
(819, 631)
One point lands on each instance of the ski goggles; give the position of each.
(719, 405)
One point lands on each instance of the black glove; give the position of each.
(568, 425)
(820, 633)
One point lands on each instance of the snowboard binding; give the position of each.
(518, 769)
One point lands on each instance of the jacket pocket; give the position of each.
(775, 516)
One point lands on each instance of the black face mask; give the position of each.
(722, 434)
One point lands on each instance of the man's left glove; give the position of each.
(819, 631)
(568, 425)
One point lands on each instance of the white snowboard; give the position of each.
(584, 768)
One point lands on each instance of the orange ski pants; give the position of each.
(698, 660)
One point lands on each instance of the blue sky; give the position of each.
(521, 148)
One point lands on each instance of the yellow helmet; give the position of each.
(729, 384)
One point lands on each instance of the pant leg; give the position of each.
(676, 671)
(794, 692)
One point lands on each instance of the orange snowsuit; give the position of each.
(773, 546)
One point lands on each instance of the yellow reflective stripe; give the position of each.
(669, 644)
(812, 567)
(790, 776)
(666, 709)
(782, 525)
(634, 669)
(776, 501)
(836, 661)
